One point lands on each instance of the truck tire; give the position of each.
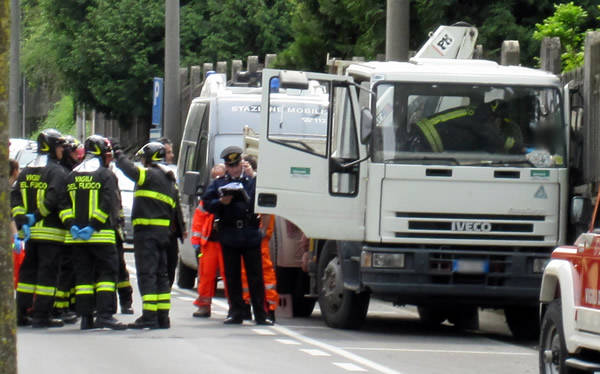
(431, 316)
(186, 276)
(302, 306)
(552, 348)
(340, 308)
(523, 322)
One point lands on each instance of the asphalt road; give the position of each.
(392, 341)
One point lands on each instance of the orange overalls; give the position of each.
(268, 272)
(209, 258)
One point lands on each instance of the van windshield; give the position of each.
(469, 124)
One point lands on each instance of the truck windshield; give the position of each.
(516, 126)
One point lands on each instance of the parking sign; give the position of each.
(157, 109)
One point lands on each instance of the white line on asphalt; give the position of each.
(348, 366)
(287, 341)
(186, 298)
(440, 351)
(263, 332)
(316, 352)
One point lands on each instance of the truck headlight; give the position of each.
(539, 264)
(388, 260)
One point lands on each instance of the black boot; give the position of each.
(46, 322)
(87, 322)
(109, 322)
(68, 317)
(163, 319)
(148, 320)
(126, 309)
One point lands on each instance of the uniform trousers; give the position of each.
(172, 258)
(209, 262)
(38, 278)
(65, 290)
(95, 278)
(150, 249)
(232, 257)
(123, 285)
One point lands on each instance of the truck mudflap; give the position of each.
(476, 277)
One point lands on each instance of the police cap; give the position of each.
(232, 155)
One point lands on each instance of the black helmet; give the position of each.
(71, 144)
(97, 145)
(48, 140)
(152, 152)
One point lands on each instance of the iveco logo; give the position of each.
(471, 226)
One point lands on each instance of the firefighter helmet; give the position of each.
(97, 145)
(48, 140)
(152, 152)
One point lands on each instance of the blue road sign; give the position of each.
(157, 109)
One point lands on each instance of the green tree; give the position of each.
(8, 328)
(567, 24)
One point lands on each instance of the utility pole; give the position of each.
(14, 85)
(397, 30)
(172, 100)
(8, 327)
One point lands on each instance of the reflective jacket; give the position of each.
(155, 201)
(39, 191)
(202, 226)
(92, 200)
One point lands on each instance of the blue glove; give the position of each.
(196, 246)
(26, 232)
(30, 219)
(17, 244)
(86, 232)
(75, 231)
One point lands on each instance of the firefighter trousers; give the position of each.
(271, 294)
(150, 249)
(64, 299)
(37, 278)
(172, 258)
(208, 262)
(124, 288)
(232, 258)
(95, 278)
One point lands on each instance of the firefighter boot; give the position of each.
(148, 320)
(46, 322)
(163, 319)
(202, 312)
(110, 322)
(87, 322)
(126, 309)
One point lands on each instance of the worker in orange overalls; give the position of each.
(210, 256)
(267, 225)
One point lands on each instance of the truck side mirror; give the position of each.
(366, 125)
(580, 210)
(293, 79)
(191, 183)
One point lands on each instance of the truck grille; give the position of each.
(440, 269)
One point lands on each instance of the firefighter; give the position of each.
(231, 200)
(485, 127)
(35, 206)
(90, 215)
(64, 305)
(154, 208)
(204, 239)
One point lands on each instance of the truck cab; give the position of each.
(570, 304)
(406, 210)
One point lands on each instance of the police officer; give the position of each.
(231, 200)
(485, 127)
(154, 207)
(90, 214)
(35, 206)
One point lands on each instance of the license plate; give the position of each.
(470, 266)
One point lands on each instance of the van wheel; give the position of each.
(186, 276)
(341, 308)
(552, 348)
(523, 322)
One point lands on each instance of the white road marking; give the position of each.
(287, 341)
(316, 352)
(263, 332)
(440, 351)
(348, 366)
(186, 298)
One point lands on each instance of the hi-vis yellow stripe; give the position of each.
(155, 195)
(101, 237)
(431, 133)
(142, 177)
(151, 222)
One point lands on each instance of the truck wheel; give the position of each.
(552, 348)
(302, 306)
(186, 276)
(431, 316)
(464, 317)
(523, 322)
(341, 308)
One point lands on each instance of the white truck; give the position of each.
(570, 304)
(404, 210)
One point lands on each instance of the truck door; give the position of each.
(309, 169)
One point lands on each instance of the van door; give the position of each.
(309, 168)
